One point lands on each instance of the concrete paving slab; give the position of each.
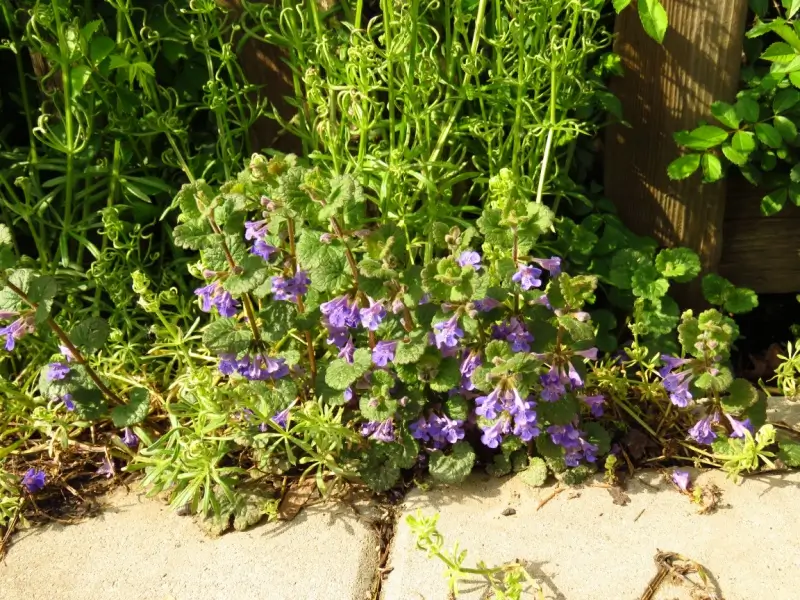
(138, 549)
(582, 546)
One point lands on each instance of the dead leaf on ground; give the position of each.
(295, 498)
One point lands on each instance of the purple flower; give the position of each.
(426, 298)
(424, 430)
(33, 480)
(263, 249)
(515, 332)
(228, 364)
(107, 468)
(348, 351)
(552, 264)
(595, 404)
(129, 438)
(493, 435)
(589, 353)
(740, 428)
(262, 368)
(213, 295)
(66, 352)
(677, 385)
(468, 366)
(670, 364)
(57, 371)
(701, 432)
(289, 288)
(340, 312)
(347, 394)
(68, 403)
(451, 430)
(336, 336)
(552, 386)
(681, 479)
(470, 258)
(527, 277)
(372, 317)
(486, 304)
(381, 431)
(447, 333)
(383, 353)
(281, 419)
(573, 376)
(16, 330)
(565, 435)
(489, 406)
(255, 230)
(525, 422)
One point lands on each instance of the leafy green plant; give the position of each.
(758, 133)
(652, 15)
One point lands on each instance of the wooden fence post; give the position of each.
(668, 88)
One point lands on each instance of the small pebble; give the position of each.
(508, 512)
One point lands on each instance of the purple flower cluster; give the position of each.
(130, 439)
(289, 288)
(676, 382)
(213, 295)
(571, 439)
(57, 371)
(14, 331)
(383, 353)
(342, 314)
(447, 333)
(595, 404)
(257, 231)
(470, 258)
(381, 431)
(515, 332)
(469, 364)
(516, 416)
(557, 379)
(702, 432)
(255, 368)
(437, 430)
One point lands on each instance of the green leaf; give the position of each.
(579, 331)
(741, 396)
(22, 278)
(6, 239)
(561, 412)
(680, 264)
(194, 234)
(227, 336)
(716, 289)
(620, 4)
(789, 453)
(647, 283)
(453, 468)
(654, 19)
(340, 374)
(759, 7)
(100, 48)
(90, 334)
(377, 408)
(598, 436)
(89, 403)
(326, 263)
(704, 137)
(134, 412)
(774, 201)
(623, 265)
(411, 351)
(791, 6)
(684, 166)
(187, 198)
(536, 473)
(786, 128)
(744, 142)
(655, 316)
(712, 168)
(254, 273)
(741, 300)
(734, 156)
(785, 99)
(447, 377)
(457, 408)
(768, 135)
(726, 114)
(779, 52)
(78, 77)
(277, 319)
(747, 109)
(718, 382)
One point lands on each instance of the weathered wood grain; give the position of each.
(668, 88)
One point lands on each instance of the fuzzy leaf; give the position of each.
(680, 264)
(623, 266)
(455, 467)
(412, 350)
(716, 289)
(89, 403)
(789, 453)
(647, 284)
(447, 377)
(134, 412)
(536, 473)
(741, 300)
(741, 396)
(254, 273)
(340, 374)
(227, 336)
(193, 234)
(187, 196)
(90, 334)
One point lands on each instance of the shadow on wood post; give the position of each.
(668, 88)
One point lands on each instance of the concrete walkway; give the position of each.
(138, 549)
(580, 545)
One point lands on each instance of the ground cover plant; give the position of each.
(435, 284)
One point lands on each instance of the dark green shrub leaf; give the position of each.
(773, 202)
(747, 109)
(134, 412)
(598, 436)
(768, 135)
(654, 19)
(779, 52)
(725, 114)
(786, 128)
(455, 467)
(712, 168)
(704, 137)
